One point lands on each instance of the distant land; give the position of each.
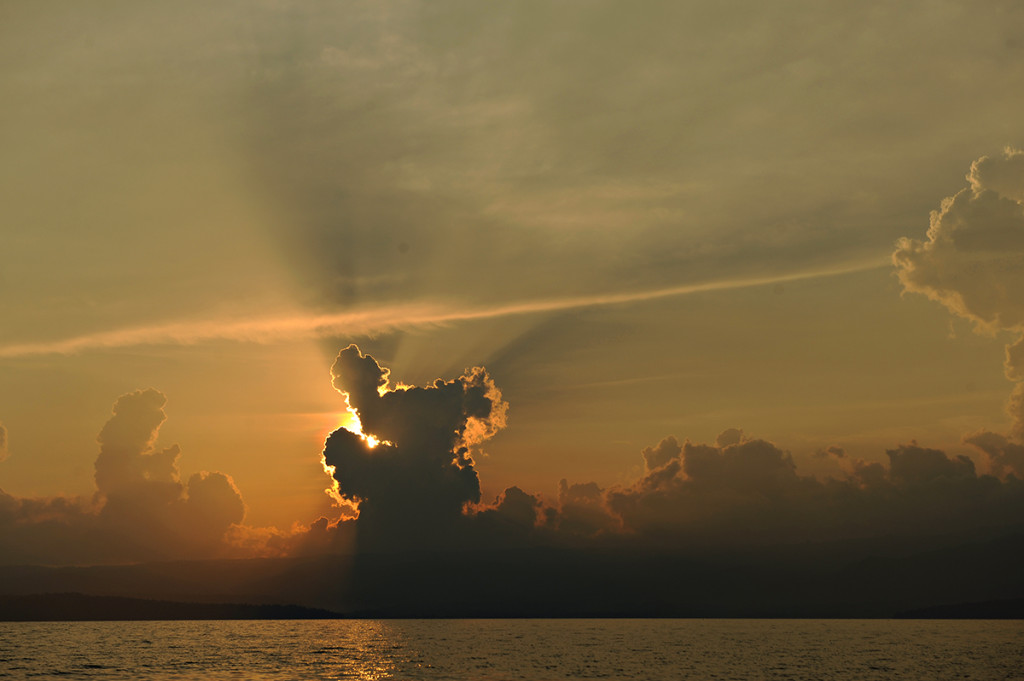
(80, 607)
(76, 607)
(978, 578)
(1012, 609)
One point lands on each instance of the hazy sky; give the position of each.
(672, 218)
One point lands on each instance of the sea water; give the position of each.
(516, 649)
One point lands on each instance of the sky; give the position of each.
(682, 220)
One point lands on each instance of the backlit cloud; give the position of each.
(411, 473)
(416, 477)
(973, 259)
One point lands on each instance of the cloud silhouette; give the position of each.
(661, 453)
(418, 487)
(415, 485)
(1003, 455)
(749, 493)
(837, 452)
(3, 442)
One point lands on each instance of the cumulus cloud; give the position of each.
(580, 511)
(748, 492)
(411, 470)
(140, 488)
(729, 436)
(973, 259)
(837, 452)
(127, 457)
(1003, 455)
(408, 468)
(661, 453)
(141, 509)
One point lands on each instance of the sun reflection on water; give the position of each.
(367, 652)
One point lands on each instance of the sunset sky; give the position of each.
(670, 220)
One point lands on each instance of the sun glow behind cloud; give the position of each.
(349, 421)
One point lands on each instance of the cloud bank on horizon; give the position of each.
(410, 472)
(416, 484)
(418, 487)
(742, 492)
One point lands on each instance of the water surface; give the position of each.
(516, 649)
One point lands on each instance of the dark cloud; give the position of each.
(750, 493)
(56, 531)
(913, 465)
(411, 474)
(729, 436)
(419, 487)
(1003, 455)
(661, 453)
(3, 442)
(141, 509)
(837, 452)
(517, 507)
(580, 511)
(419, 479)
(511, 521)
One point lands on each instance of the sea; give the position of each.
(651, 649)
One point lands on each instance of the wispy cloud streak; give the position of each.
(379, 319)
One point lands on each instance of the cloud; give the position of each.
(661, 453)
(3, 442)
(749, 492)
(141, 491)
(1003, 455)
(837, 452)
(127, 457)
(416, 482)
(381, 318)
(408, 467)
(141, 509)
(411, 472)
(913, 465)
(973, 260)
(729, 436)
(580, 511)
(512, 520)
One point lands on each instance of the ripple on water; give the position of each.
(845, 650)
